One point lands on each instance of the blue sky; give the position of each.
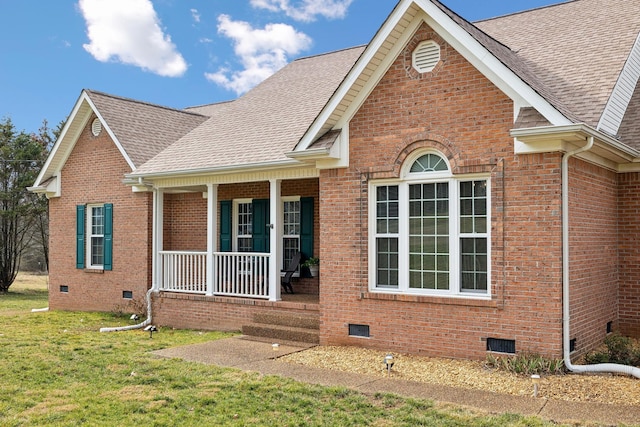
(177, 53)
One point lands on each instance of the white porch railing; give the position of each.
(238, 274)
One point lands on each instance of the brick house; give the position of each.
(467, 187)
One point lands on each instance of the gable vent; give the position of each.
(96, 127)
(426, 56)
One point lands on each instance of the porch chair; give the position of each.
(285, 280)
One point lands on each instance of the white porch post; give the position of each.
(275, 239)
(212, 233)
(156, 238)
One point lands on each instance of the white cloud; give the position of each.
(261, 51)
(306, 10)
(128, 31)
(195, 15)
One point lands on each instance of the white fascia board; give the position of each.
(45, 172)
(111, 134)
(360, 65)
(68, 137)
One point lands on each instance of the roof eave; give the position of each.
(135, 177)
(617, 155)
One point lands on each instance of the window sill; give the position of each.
(94, 270)
(430, 299)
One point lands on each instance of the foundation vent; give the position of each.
(127, 294)
(64, 288)
(501, 346)
(609, 327)
(358, 330)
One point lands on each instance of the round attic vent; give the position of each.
(426, 56)
(96, 127)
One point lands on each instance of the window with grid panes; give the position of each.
(431, 232)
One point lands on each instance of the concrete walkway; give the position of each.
(242, 353)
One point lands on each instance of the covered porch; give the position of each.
(232, 238)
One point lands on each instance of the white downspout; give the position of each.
(139, 325)
(602, 367)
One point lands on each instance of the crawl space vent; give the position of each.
(501, 346)
(96, 127)
(127, 294)
(426, 56)
(358, 330)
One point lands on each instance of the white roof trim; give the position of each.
(498, 73)
(69, 135)
(621, 95)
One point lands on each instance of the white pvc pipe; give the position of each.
(601, 367)
(139, 325)
(38, 310)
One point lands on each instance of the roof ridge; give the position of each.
(136, 101)
(330, 52)
(520, 12)
(209, 104)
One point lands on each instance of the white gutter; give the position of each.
(602, 367)
(139, 325)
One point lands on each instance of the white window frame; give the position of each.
(236, 222)
(285, 236)
(89, 237)
(455, 235)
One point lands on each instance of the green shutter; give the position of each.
(108, 236)
(80, 242)
(225, 225)
(260, 221)
(306, 227)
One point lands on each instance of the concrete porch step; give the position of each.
(308, 320)
(278, 333)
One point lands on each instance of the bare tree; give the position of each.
(21, 157)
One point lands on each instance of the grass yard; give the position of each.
(56, 369)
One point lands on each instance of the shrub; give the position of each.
(620, 349)
(526, 364)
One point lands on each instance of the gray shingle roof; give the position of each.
(571, 54)
(575, 50)
(262, 125)
(143, 129)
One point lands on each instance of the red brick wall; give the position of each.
(185, 222)
(629, 252)
(460, 113)
(93, 173)
(593, 243)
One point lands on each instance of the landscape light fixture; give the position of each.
(151, 329)
(535, 379)
(388, 360)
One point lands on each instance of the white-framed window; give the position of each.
(429, 231)
(95, 234)
(244, 224)
(291, 229)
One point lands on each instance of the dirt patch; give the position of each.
(601, 388)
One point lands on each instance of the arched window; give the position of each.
(430, 231)
(429, 163)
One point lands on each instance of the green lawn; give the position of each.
(57, 369)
